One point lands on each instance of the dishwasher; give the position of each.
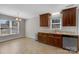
(70, 43)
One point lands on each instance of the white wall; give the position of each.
(32, 27)
(78, 21)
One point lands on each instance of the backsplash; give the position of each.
(69, 29)
(65, 29)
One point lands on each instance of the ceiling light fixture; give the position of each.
(18, 18)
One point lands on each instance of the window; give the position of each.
(8, 27)
(56, 21)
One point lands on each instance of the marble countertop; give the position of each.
(60, 32)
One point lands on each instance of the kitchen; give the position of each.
(49, 28)
(39, 29)
(57, 35)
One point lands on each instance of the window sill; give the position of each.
(7, 34)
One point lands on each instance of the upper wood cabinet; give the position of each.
(44, 19)
(69, 17)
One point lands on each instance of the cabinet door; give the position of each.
(42, 37)
(50, 40)
(69, 17)
(72, 13)
(58, 42)
(44, 20)
(65, 18)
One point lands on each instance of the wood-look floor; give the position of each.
(28, 46)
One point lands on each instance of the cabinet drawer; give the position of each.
(58, 42)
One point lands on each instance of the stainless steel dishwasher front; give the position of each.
(70, 43)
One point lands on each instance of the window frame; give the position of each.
(60, 18)
(10, 32)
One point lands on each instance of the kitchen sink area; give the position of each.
(61, 38)
(60, 29)
(65, 40)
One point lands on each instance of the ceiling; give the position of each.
(30, 10)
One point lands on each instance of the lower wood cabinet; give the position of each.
(50, 39)
(58, 42)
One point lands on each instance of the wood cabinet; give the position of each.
(50, 39)
(58, 42)
(42, 37)
(69, 17)
(44, 20)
